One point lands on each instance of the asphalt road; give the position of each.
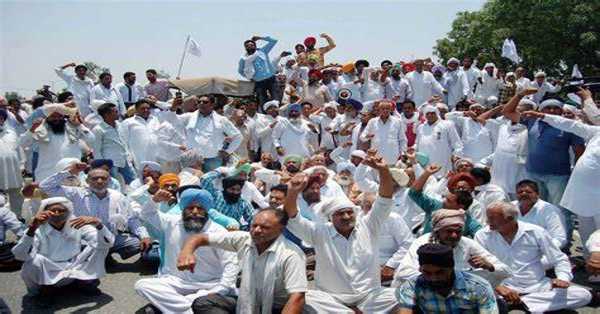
(117, 295)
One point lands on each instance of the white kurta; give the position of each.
(294, 139)
(10, 163)
(101, 94)
(81, 90)
(476, 138)
(57, 147)
(489, 87)
(472, 74)
(139, 135)
(542, 89)
(581, 194)
(389, 137)
(524, 257)
(207, 133)
(457, 86)
(508, 162)
(466, 248)
(439, 141)
(173, 291)
(54, 256)
(423, 86)
(549, 217)
(347, 268)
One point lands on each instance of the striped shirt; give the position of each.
(242, 211)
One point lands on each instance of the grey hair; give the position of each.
(189, 158)
(508, 209)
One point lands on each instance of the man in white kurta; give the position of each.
(130, 91)
(59, 248)
(104, 92)
(387, 133)
(264, 125)
(476, 136)
(273, 269)
(472, 72)
(56, 139)
(521, 246)
(291, 136)
(581, 194)
(79, 85)
(542, 86)
(139, 134)
(488, 85)
(457, 84)
(216, 270)
(423, 84)
(11, 180)
(347, 274)
(541, 213)
(469, 256)
(439, 140)
(206, 130)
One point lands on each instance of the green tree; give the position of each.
(13, 95)
(94, 70)
(550, 34)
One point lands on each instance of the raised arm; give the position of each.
(510, 109)
(330, 44)
(568, 125)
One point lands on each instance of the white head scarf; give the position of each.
(65, 163)
(332, 205)
(269, 104)
(550, 102)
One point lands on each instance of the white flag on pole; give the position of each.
(509, 51)
(576, 73)
(194, 48)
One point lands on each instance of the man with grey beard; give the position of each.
(174, 291)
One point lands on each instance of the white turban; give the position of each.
(550, 103)
(312, 170)
(441, 105)
(330, 206)
(476, 105)
(511, 74)
(452, 60)
(345, 166)
(65, 163)
(400, 176)
(461, 161)
(331, 104)
(492, 100)
(358, 153)
(526, 101)
(489, 64)
(269, 104)
(429, 108)
(540, 74)
(60, 108)
(570, 108)
(56, 200)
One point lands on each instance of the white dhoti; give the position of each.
(548, 299)
(381, 300)
(171, 294)
(40, 270)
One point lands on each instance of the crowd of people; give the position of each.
(409, 187)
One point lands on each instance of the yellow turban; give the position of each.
(168, 178)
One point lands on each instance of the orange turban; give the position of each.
(168, 178)
(348, 67)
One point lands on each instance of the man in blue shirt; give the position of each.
(548, 159)
(255, 66)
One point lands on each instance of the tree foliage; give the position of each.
(13, 95)
(94, 70)
(549, 34)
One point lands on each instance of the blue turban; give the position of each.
(196, 196)
(296, 107)
(357, 105)
(97, 163)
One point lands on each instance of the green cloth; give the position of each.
(429, 205)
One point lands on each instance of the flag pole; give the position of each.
(183, 56)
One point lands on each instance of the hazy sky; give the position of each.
(36, 36)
